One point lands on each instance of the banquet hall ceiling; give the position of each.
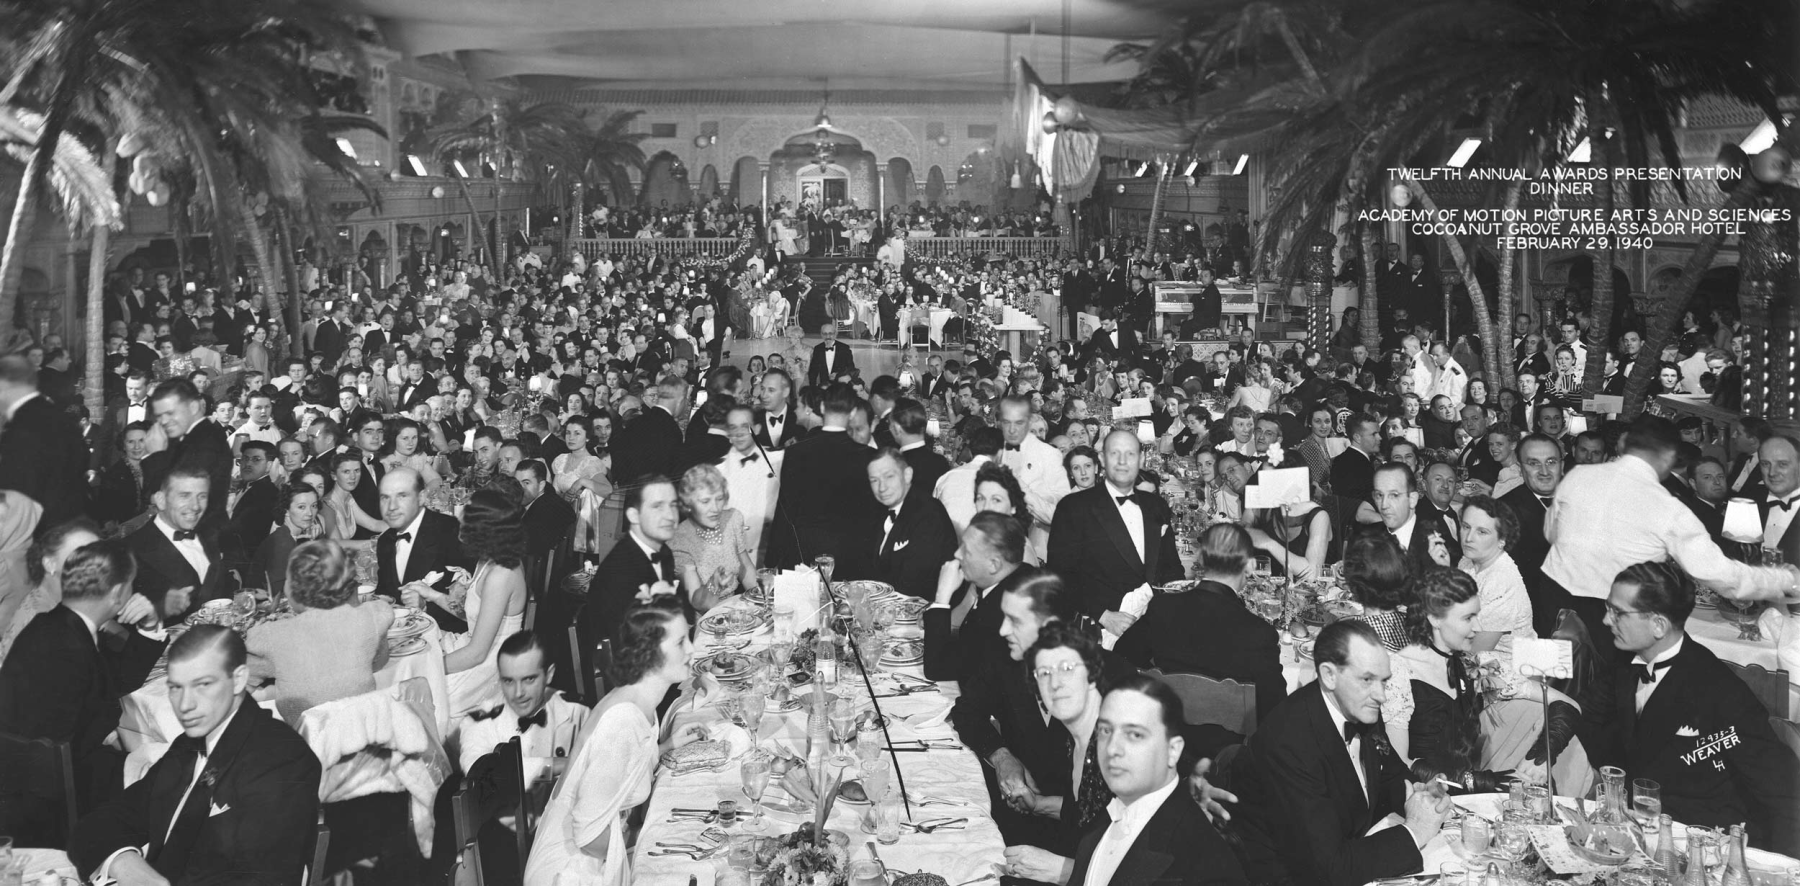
(768, 44)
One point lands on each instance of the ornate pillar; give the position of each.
(1318, 288)
(1769, 285)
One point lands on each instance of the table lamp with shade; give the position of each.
(1742, 531)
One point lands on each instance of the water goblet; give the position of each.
(1646, 806)
(754, 772)
(753, 704)
(825, 563)
(1477, 836)
(867, 873)
(765, 582)
(843, 718)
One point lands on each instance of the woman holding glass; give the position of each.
(713, 554)
(582, 835)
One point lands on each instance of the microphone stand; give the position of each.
(880, 717)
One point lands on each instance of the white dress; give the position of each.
(479, 686)
(611, 772)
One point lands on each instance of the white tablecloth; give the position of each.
(950, 775)
(37, 861)
(1721, 637)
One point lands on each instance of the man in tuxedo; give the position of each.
(234, 800)
(1780, 457)
(776, 426)
(1318, 774)
(1683, 719)
(824, 488)
(417, 388)
(368, 435)
(1207, 630)
(1437, 498)
(119, 413)
(253, 516)
(63, 679)
(1037, 465)
(904, 540)
(1711, 492)
(548, 518)
(1111, 340)
(417, 543)
(1475, 457)
(1541, 462)
(962, 627)
(1353, 470)
(933, 383)
(42, 452)
(179, 565)
(1423, 295)
(651, 443)
(1113, 538)
(639, 567)
(333, 333)
(1157, 835)
(195, 441)
(1426, 542)
(906, 424)
(831, 359)
(545, 722)
(708, 441)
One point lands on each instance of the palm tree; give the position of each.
(610, 152)
(510, 132)
(182, 78)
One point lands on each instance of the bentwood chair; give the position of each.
(1209, 702)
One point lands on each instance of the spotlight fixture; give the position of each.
(1759, 138)
(1583, 153)
(349, 149)
(417, 165)
(1143, 169)
(1464, 151)
(1191, 166)
(460, 171)
(1242, 164)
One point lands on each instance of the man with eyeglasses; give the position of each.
(1687, 722)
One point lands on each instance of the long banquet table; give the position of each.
(950, 778)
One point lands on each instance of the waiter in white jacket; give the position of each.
(1036, 464)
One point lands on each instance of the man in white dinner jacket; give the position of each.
(1037, 464)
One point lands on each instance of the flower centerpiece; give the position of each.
(801, 859)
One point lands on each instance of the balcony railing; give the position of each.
(721, 247)
(1018, 247)
(666, 247)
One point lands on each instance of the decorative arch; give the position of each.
(934, 186)
(709, 182)
(665, 178)
(900, 184)
(746, 181)
(885, 137)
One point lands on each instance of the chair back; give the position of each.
(585, 684)
(494, 787)
(1789, 733)
(1206, 701)
(315, 872)
(1769, 687)
(38, 805)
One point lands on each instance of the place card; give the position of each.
(1544, 658)
(1609, 404)
(1275, 487)
(1132, 407)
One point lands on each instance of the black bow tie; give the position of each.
(402, 536)
(1012, 447)
(1352, 729)
(747, 459)
(776, 419)
(1647, 673)
(1122, 499)
(184, 534)
(1783, 505)
(187, 746)
(541, 719)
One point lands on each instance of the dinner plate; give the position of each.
(728, 665)
(413, 624)
(407, 646)
(734, 621)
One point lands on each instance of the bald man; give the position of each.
(417, 543)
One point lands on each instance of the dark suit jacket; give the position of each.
(1092, 550)
(42, 455)
(58, 684)
(254, 516)
(1788, 545)
(824, 496)
(411, 395)
(1418, 547)
(1353, 475)
(1704, 736)
(932, 386)
(648, 444)
(791, 431)
(1208, 631)
(1479, 461)
(816, 373)
(207, 447)
(927, 466)
(596, 614)
(702, 449)
(266, 787)
(953, 652)
(1101, 345)
(548, 520)
(120, 496)
(1302, 811)
(922, 541)
(434, 550)
(1176, 846)
(1528, 554)
(161, 567)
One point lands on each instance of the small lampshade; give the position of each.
(1743, 522)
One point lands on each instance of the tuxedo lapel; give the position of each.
(1665, 711)
(1153, 527)
(1337, 758)
(172, 564)
(1114, 522)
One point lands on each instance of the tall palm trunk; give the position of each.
(1484, 321)
(94, 363)
(1601, 333)
(1667, 318)
(259, 246)
(291, 308)
(469, 198)
(1503, 345)
(1371, 300)
(1156, 207)
(24, 217)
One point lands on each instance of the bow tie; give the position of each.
(185, 534)
(541, 719)
(1122, 499)
(1352, 729)
(747, 459)
(776, 419)
(402, 536)
(188, 746)
(1782, 505)
(1647, 673)
(1012, 447)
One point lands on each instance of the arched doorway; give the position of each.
(975, 178)
(801, 173)
(934, 186)
(665, 181)
(746, 181)
(900, 184)
(709, 182)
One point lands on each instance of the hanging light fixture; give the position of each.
(1018, 180)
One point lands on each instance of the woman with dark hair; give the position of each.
(1443, 732)
(1065, 670)
(1489, 529)
(582, 835)
(1377, 574)
(1083, 466)
(492, 598)
(348, 522)
(409, 452)
(997, 490)
(299, 522)
(334, 643)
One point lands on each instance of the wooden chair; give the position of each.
(585, 684)
(494, 787)
(1206, 701)
(1769, 687)
(1789, 733)
(38, 805)
(315, 872)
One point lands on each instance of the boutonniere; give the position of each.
(210, 776)
(1382, 747)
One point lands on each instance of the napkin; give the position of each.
(933, 727)
(1134, 604)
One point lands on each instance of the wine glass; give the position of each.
(765, 582)
(1511, 842)
(843, 718)
(755, 772)
(753, 704)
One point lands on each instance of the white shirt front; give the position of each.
(269, 434)
(190, 549)
(403, 547)
(1353, 747)
(1645, 690)
(1779, 519)
(137, 412)
(1404, 534)
(1132, 515)
(539, 744)
(1128, 820)
(754, 488)
(1039, 468)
